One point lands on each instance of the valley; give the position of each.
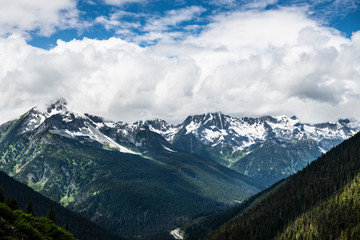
(143, 179)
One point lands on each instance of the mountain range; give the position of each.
(125, 178)
(141, 180)
(267, 148)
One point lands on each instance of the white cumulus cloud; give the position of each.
(43, 16)
(244, 63)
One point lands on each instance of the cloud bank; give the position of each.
(244, 63)
(42, 16)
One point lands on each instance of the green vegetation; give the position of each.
(204, 226)
(32, 201)
(13, 205)
(319, 202)
(38, 186)
(264, 162)
(51, 214)
(65, 201)
(336, 218)
(15, 224)
(136, 196)
(29, 209)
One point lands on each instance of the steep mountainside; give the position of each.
(268, 148)
(319, 202)
(126, 178)
(82, 228)
(338, 217)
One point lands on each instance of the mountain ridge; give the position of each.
(267, 148)
(81, 227)
(140, 192)
(243, 143)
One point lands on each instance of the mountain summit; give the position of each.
(268, 148)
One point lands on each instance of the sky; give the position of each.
(129, 60)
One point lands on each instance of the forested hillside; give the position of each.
(338, 217)
(16, 224)
(320, 201)
(82, 228)
(325, 190)
(205, 225)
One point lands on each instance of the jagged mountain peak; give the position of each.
(195, 123)
(58, 105)
(217, 129)
(58, 119)
(242, 133)
(218, 118)
(269, 147)
(58, 108)
(205, 116)
(156, 123)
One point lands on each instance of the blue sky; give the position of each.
(140, 59)
(101, 19)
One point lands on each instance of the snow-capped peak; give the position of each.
(70, 124)
(240, 133)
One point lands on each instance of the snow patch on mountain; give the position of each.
(192, 127)
(243, 133)
(71, 124)
(168, 149)
(162, 128)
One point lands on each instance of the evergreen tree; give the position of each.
(51, 214)
(2, 198)
(13, 204)
(30, 209)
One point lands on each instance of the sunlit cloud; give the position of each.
(243, 63)
(42, 16)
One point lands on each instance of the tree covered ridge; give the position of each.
(336, 218)
(303, 191)
(79, 226)
(16, 224)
